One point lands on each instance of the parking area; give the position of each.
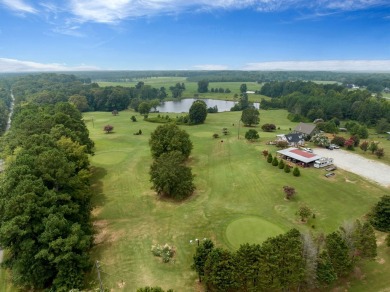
(372, 170)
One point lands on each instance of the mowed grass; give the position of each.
(233, 182)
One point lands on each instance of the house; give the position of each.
(293, 139)
(305, 129)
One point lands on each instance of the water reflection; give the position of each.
(183, 105)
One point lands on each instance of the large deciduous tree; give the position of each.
(250, 116)
(170, 137)
(170, 177)
(203, 86)
(198, 112)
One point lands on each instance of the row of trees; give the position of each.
(169, 174)
(290, 261)
(318, 101)
(45, 197)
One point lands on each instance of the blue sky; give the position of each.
(54, 35)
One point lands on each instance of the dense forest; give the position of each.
(45, 193)
(375, 82)
(5, 103)
(317, 101)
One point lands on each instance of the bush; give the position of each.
(252, 135)
(269, 158)
(215, 136)
(289, 192)
(133, 119)
(380, 152)
(275, 161)
(287, 168)
(338, 140)
(166, 252)
(281, 164)
(268, 127)
(281, 144)
(296, 171)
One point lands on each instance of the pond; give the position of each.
(183, 105)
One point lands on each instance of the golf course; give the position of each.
(239, 198)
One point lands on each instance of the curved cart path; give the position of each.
(367, 168)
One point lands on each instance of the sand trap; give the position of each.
(370, 169)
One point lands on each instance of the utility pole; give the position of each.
(98, 272)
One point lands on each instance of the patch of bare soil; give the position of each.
(103, 234)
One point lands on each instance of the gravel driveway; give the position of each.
(372, 170)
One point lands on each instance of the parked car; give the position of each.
(308, 150)
(334, 146)
(329, 174)
(331, 168)
(330, 147)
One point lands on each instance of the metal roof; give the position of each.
(299, 155)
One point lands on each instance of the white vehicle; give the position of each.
(322, 162)
(307, 150)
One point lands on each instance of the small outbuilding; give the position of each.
(298, 156)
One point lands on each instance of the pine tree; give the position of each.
(326, 275)
(338, 253)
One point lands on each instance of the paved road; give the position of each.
(367, 168)
(1, 161)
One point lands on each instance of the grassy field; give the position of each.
(234, 184)
(191, 87)
(238, 193)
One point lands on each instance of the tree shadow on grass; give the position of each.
(99, 198)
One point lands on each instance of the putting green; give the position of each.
(109, 158)
(250, 230)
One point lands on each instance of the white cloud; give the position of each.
(114, 11)
(13, 65)
(329, 65)
(210, 67)
(19, 6)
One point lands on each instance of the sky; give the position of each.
(69, 35)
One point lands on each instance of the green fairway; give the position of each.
(253, 230)
(239, 198)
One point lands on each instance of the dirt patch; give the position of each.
(380, 261)
(367, 168)
(103, 234)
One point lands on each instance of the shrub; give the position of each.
(380, 152)
(133, 119)
(252, 135)
(265, 153)
(289, 192)
(338, 140)
(268, 127)
(296, 171)
(108, 128)
(166, 252)
(269, 158)
(281, 164)
(304, 212)
(275, 161)
(215, 136)
(281, 144)
(364, 146)
(287, 168)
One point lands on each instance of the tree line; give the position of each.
(311, 101)
(290, 261)
(45, 198)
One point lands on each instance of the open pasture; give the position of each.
(234, 184)
(192, 87)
